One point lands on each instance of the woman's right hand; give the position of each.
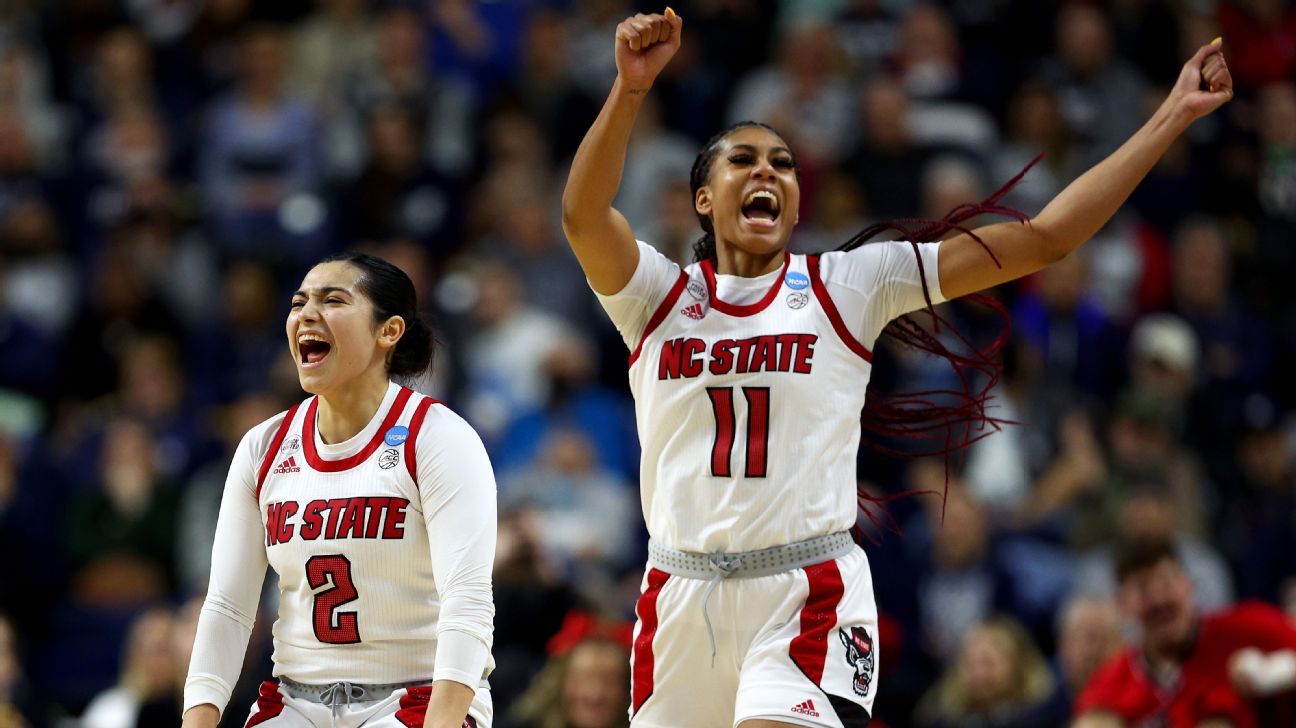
(644, 45)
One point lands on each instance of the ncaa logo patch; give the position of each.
(389, 459)
(797, 281)
(797, 299)
(396, 435)
(291, 444)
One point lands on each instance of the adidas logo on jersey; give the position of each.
(806, 708)
(287, 466)
(694, 312)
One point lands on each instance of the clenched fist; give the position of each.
(644, 45)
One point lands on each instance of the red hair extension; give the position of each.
(919, 415)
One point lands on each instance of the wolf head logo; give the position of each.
(859, 653)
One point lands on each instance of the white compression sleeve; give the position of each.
(457, 488)
(234, 589)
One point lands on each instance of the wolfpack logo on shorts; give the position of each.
(346, 536)
(714, 391)
(859, 653)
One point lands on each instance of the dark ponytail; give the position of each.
(392, 293)
(705, 247)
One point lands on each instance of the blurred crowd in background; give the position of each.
(169, 169)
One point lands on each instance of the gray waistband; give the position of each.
(719, 566)
(773, 560)
(343, 693)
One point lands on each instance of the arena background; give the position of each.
(170, 168)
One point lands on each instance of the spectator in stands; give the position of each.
(16, 707)
(586, 683)
(1100, 93)
(998, 679)
(804, 95)
(441, 105)
(151, 670)
(584, 513)
(1182, 671)
(120, 527)
(259, 149)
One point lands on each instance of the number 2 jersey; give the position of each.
(383, 545)
(748, 391)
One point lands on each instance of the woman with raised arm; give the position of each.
(749, 370)
(375, 506)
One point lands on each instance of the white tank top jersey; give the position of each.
(748, 391)
(383, 545)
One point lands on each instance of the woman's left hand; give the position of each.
(1204, 84)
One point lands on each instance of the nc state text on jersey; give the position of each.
(686, 357)
(362, 517)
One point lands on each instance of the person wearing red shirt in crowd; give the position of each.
(1225, 669)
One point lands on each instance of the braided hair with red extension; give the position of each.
(958, 418)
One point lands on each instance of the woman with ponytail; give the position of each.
(375, 506)
(749, 369)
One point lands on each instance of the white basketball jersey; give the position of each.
(748, 414)
(348, 540)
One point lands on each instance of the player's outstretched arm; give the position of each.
(1089, 202)
(598, 234)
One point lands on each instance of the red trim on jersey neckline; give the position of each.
(834, 316)
(317, 462)
(416, 424)
(275, 444)
(641, 659)
(660, 314)
(750, 309)
(809, 649)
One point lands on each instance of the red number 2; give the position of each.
(758, 406)
(333, 571)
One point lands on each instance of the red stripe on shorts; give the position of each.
(819, 615)
(269, 704)
(646, 609)
(413, 708)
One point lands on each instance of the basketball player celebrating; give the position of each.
(376, 508)
(749, 369)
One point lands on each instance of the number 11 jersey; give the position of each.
(748, 391)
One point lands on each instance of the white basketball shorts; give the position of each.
(799, 647)
(404, 708)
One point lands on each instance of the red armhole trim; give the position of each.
(268, 460)
(660, 314)
(834, 316)
(411, 442)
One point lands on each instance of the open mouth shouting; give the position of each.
(760, 209)
(312, 350)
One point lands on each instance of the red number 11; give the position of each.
(722, 405)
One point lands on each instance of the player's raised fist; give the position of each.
(1205, 83)
(644, 45)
